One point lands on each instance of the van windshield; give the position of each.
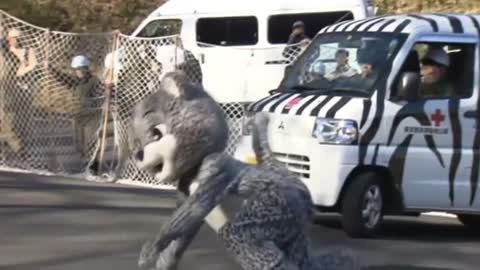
(347, 63)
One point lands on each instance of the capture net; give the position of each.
(52, 120)
(47, 115)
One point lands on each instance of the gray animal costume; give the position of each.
(260, 212)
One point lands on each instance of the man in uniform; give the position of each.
(343, 68)
(434, 68)
(297, 41)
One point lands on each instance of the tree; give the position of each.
(82, 16)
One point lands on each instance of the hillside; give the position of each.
(403, 6)
(82, 15)
(105, 15)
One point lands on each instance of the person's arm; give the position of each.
(65, 78)
(291, 39)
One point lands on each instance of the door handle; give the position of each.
(470, 114)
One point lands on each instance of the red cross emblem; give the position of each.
(438, 117)
(293, 102)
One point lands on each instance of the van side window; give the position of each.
(231, 31)
(280, 26)
(161, 28)
(446, 69)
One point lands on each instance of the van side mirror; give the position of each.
(408, 86)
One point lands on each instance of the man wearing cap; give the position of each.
(434, 68)
(343, 68)
(298, 33)
(297, 41)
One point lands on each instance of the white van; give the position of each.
(239, 43)
(391, 141)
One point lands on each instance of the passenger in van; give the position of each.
(434, 68)
(343, 68)
(366, 78)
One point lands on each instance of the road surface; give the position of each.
(71, 224)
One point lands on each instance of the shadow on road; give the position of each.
(58, 261)
(423, 229)
(404, 267)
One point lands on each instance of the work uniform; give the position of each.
(442, 88)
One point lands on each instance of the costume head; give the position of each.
(176, 127)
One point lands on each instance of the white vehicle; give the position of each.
(239, 43)
(392, 142)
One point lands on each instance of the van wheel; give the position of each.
(469, 221)
(362, 207)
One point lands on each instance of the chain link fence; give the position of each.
(56, 120)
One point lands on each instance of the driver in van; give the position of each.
(367, 75)
(343, 68)
(434, 68)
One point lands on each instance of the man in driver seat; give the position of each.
(434, 68)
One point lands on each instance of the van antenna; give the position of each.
(341, 18)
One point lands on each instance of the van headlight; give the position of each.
(333, 131)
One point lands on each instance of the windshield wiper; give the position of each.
(281, 90)
(293, 89)
(347, 90)
(303, 87)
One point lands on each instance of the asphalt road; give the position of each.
(59, 223)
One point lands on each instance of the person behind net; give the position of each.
(434, 68)
(297, 41)
(20, 95)
(7, 132)
(90, 89)
(83, 81)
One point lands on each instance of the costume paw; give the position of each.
(166, 259)
(339, 259)
(261, 119)
(148, 255)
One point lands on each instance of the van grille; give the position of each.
(299, 165)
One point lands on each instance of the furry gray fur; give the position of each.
(265, 229)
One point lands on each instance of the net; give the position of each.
(56, 120)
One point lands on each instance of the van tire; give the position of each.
(364, 192)
(469, 221)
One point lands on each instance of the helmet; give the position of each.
(80, 61)
(14, 33)
(438, 56)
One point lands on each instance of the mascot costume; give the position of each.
(260, 212)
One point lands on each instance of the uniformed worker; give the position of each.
(343, 68)
(434, 68)
(297, 41)
(83, 81)
(90, 90)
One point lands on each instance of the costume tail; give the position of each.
(339, 259)
(261, 146)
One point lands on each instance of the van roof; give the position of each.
(411, 23)
(177, 7)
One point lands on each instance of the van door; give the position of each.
(431, 137)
